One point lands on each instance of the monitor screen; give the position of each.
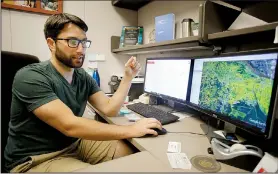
(167, 77)
(237, 88)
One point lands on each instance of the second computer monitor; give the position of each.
(168, 78)
(238, 88)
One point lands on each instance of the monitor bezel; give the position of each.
(239, 124)
(166, 97)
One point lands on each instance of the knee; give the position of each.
(123, 149)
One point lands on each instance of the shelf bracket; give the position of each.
(217, 49)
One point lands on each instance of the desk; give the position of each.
(139, 162)
(155, 148)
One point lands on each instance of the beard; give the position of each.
(69, 61)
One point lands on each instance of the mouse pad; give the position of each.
(205, 163)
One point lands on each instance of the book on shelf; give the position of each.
(131, 35)
(165, 27)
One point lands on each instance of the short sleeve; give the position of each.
(92, 84)
(32, 88)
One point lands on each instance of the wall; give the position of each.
(101, 29)
(181, 9)
(23, 32)
(103, 20)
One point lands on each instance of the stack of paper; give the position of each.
(176, 158)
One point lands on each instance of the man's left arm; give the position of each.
(110, 106)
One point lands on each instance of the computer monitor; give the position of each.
(168, 78)
(237, 88)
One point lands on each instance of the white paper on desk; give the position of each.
(276, 35)
(179, 160)
(267, 164)
(174, 147)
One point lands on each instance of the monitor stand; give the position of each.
(210, 131)
(168, 105)
(174, 107)
(163, 107)
(219, 131)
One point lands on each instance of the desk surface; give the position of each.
(139, 162)
(192, 144)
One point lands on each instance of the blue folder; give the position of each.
(165, 27)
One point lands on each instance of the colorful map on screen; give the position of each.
(239, 89)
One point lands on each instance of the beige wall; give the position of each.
(104, 21)
(181, 9)
(23, 32)
(6, 30)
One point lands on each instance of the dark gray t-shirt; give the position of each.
(34, 86)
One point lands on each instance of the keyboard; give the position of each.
(152, 112)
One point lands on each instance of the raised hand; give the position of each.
(132, 67)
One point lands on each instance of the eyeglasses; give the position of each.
(73, 43)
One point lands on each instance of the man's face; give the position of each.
(70, 57)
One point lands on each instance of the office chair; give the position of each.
(11, 62)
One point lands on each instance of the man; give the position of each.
(46, 130)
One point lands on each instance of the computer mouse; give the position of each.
(160, 132)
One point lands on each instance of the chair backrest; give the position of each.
(11, 62)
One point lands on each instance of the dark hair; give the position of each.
(56, 23)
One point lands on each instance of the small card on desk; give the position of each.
(174, 147)
(179, 160)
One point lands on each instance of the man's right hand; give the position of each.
(144, 126)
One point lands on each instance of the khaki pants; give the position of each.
(79, 155)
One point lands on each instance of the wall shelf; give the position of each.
(130, 4)
(243, 31)
(182, 44)
(215, 18)
(242, 4)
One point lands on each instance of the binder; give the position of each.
(165, 27)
